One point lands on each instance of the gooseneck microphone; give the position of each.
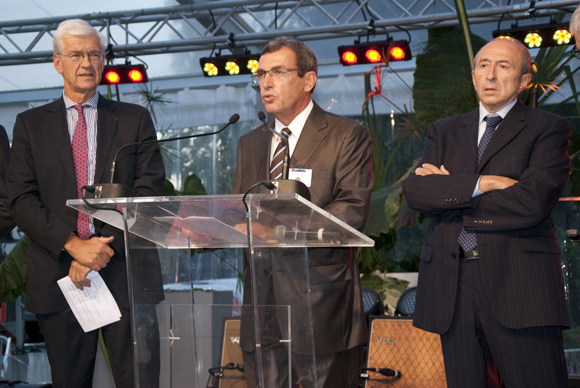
(115, 190)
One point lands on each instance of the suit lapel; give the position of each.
(261, 160)
(311, 136)
(106, 127)
(510, 126)
(467, 138)
(58, 127)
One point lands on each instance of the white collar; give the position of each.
(298, 123)
(502, 112)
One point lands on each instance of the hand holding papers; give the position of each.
(94, 306)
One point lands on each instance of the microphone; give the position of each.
(115, 190)
(283, 233)
(286, 161)
(383, 371)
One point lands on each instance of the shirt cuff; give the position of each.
(476, 192)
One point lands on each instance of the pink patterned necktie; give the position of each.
(81, 160)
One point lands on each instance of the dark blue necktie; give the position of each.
(467, 239)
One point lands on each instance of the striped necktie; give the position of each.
(277, 163)
(467, 239)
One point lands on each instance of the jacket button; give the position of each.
(453, 256)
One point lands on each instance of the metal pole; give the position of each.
(464, 25)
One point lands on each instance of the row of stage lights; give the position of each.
(229, 65)
(542, 35)
(124, 74)
(358, 54)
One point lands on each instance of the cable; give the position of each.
(407, 31)
(91, 189)
(269, 185)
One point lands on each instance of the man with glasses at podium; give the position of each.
(335, 153)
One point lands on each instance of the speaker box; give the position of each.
(231, 352)
(396, 344)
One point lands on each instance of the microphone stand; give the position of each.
(116, 190)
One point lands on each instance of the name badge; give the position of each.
(301, 174)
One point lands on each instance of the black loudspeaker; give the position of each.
(416, 354)
(231, 356)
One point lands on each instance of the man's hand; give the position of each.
(93, 253)
(260, 231)
(428, 169)
(78, 274)
(495, 182)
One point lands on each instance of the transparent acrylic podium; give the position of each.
(182, 341)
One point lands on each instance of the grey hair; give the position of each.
(75, 27)
(305, 58)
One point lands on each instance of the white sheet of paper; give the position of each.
(93, 307)
(303, 175)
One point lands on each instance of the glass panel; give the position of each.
(210, 221)
(186, 345)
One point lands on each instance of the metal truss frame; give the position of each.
(234, 24)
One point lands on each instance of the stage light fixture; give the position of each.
(373, 52)
(229, 65)
(124, 74)
(542, 35)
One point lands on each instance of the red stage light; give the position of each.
(113, 77)
(373, 56)
(397, 53)
(349, 57)
(136, 76)
(374, 53)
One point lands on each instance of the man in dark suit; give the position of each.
(490, 278)
(336, 154)
(58, 148)
(6, 223)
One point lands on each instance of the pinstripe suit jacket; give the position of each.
(519, 252)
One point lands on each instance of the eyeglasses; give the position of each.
(276, 73)
(78, 56)
(575, 52)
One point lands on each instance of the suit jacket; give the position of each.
(41, 177)
(338, 151)
(6, 223)
(519, 252)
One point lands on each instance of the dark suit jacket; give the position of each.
(41, 177)
(519, 253)
(6, 223)
(338, 151)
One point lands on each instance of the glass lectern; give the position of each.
(184, 341)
